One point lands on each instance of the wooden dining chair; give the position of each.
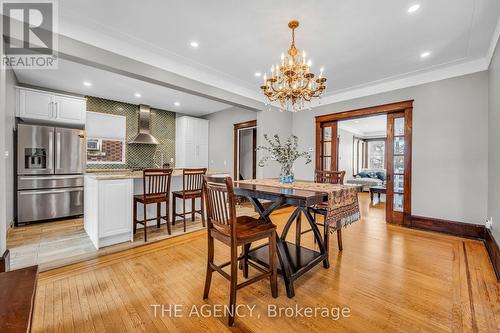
(156, 185)
(233, 231)
(331, 177)
(192, 183)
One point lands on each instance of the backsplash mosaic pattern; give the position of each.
(139, 156)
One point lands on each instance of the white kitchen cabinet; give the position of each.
(108, 210)
(48, 107)
(70, 110)
(35, 105)
(191, 142)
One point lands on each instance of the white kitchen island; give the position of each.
(108, 216)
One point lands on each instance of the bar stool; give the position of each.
(192, 182)
(156, 185)
(233, 231)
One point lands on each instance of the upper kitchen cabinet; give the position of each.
(43, 106)
(191, 142)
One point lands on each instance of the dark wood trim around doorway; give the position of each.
(366, 112)
(238, 126)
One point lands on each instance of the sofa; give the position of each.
(369, 178)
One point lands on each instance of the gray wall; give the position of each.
(10, 116)
(272, 122)
(221, 141)
(494, 140)
(346, 152)
(3, 230)
(450, 144)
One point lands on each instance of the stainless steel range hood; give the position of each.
(144, 136)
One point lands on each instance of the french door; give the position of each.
(398, 152)
(327, 146)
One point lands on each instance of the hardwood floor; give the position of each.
(390, 278)
(54, 244)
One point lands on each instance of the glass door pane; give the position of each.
(399, 126)
(326, 146)
(396, 158)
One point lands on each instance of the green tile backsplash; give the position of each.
(139, 156)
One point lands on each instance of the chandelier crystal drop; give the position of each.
(291, 83)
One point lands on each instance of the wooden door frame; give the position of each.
(403, 106)
(237, 127)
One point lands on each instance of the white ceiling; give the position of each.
(69, 77)
(360, 42)
(366, 127)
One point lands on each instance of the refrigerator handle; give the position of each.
(51, 151)
(58, 150)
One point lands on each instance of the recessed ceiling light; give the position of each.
(87, 83)
(258, 74)
(413, 8)
(194, 44)
(425, 54)
(137, 95)
(177, 104)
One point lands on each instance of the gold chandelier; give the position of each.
(292, 84)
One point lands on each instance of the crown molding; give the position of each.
(442, 73)
(493, 43)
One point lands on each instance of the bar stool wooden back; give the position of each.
(331, 177)
(192, 183)
(233, 231)
(156, 185)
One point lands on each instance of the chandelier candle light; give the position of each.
(292, 83)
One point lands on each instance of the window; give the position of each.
(376, 154)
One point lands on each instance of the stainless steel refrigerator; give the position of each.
(50, 167)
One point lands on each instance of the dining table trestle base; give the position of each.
(295, 259)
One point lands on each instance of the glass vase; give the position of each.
(286, 175)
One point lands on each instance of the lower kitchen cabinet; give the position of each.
(108, 210)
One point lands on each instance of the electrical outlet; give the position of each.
(489, 223)
(311, 149)
(6, 153)
(211, 161)
(225, 163)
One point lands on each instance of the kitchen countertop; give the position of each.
(130, 174)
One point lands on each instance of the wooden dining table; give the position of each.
(294, 259)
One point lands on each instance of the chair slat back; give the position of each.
(331, 177)
(193, 179)
(221, 204)
(157, 181)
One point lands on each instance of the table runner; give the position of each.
(343, 207)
